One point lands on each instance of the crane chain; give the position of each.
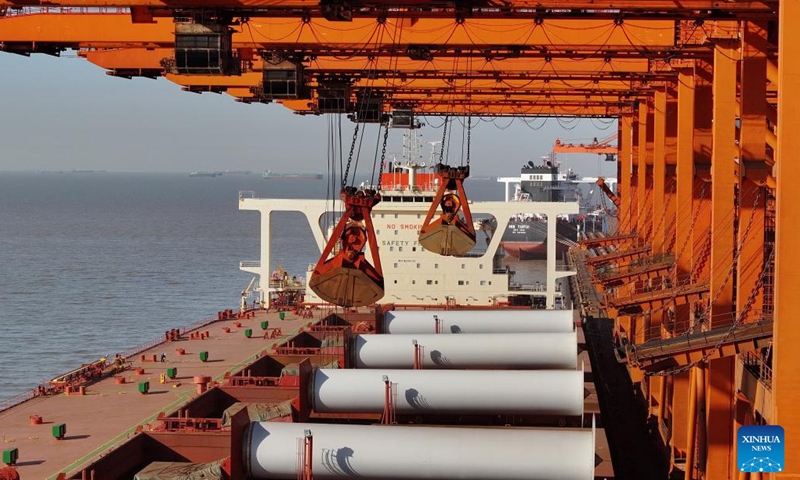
(748, 305)
(383, 155)
(702, 318)
(469, 136)
(350, 156)
(444, 137)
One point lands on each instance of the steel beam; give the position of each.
(723, 160)
(414, 9)
(753, 169)
(659, 170)
(625, 172)
(786, 354)
(720, 398)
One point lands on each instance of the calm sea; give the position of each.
(95, 263)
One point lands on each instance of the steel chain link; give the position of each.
(444, 137)
(707, 310)
(383, 154)
(350, 156)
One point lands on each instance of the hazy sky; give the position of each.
(65, 113)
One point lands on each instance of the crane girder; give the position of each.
(436, 87)
(426, 36)
(481, 9)
(511, 72)
(489, 109)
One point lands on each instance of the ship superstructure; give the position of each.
(414, 276)
(525, 237)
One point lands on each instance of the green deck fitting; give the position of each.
(10, 456)
(59, 430)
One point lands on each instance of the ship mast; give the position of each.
(411, 153)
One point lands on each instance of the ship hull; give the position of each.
(528, 240)
(531, 250)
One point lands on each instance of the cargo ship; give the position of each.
(270, 175)
(289, 385)
(525, 237)
(200, 173)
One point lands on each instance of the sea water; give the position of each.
(92, 264)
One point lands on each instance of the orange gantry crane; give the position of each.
(701, 278)
(600, 147)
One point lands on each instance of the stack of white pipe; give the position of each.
(398, 452)
(478, 321)
(531, 351)
(489, 392)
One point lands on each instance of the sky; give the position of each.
(65, 113)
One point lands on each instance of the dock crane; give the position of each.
(601, 182)
(600, 147)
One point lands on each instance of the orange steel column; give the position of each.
(679, 411)
(702, 437)
(685, 169)
(624, 168)
(670, 160)
(702, 157)
(659, 169)
(786, 332)
(719, 380)
(643, 192)
(634, 204)
(692, 423)
(723, 182)
(752, 164)
(720, 403)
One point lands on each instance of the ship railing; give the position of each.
(564, 268)
(653, 285)
(755, 364)
(68, 11)
(246, 194)
(132, 352)
(250, 264)
(17, 399)
(242, 381)
(664, 335)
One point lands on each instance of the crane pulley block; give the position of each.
(449, 234)
(202, 49)
(369, 108)
(285, 80)
(348, 279)
(333, 96)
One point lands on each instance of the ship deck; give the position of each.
(110, 413)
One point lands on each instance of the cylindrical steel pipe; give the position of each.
(554, 351)
(530, 392)
(478, 321)
(400, 452)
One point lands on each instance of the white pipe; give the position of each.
(554, 351)
(479, 321)
(399, 452)
(492, 392)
